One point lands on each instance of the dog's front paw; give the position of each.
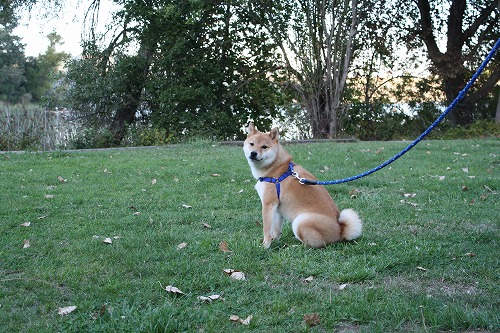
(267, 243)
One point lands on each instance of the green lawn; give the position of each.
(428, 260)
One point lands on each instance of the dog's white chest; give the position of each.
(260, 187)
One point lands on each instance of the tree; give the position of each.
(469, 30)
(12, 61)
(43, 72)
(187, 66)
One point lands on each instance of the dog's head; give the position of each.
(260, 148)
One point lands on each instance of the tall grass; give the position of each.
(31, 127)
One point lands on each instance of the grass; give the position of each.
(427, 263)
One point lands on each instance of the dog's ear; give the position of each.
(275, 134)
(251, 129)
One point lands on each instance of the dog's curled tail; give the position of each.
(351, 224)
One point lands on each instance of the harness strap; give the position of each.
(278, 180)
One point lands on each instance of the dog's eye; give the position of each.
(264, 147)
(251, 144)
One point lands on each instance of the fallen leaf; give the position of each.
(186, 206)
(466, 170)
(173, 290)
(235, 275)
(137, 213)
(26, 244)
(421, 268)
(25, 224)
(311, 319)
(246, 321)
(61, 179)
(210, 298)
(465, 188)
(224, 247)
(107, 241)
(309, 279)
(48, 196)
(409, 195)
(234, 318)
(206, 225)
(181, 246)
(153, 181)
(215, 175)
(343, 286)
(353, 194)
(442, 177)
(470, 254)
(66, 310)
(409, 203)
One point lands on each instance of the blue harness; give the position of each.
(278, 180)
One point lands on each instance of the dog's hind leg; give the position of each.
(315, 230)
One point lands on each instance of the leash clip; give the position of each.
(295, 175)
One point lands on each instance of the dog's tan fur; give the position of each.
(316, 220)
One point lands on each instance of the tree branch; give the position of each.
(426, 33)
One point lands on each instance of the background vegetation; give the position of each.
(425, 262)
(177, 69)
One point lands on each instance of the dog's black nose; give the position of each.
(253, 155)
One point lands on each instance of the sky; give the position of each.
(34, 26)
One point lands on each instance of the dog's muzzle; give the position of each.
(253, 156)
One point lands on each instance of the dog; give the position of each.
(316, 220)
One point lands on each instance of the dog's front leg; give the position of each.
(272, 222)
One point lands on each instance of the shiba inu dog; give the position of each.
(316, 220)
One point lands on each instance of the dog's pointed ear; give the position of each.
(275, 134)
(251, 129)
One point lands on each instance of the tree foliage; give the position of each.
(190, 67)
(12, 61)
(468, 30)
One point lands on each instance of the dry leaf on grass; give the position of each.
(237, 319)
(61, 179)
(26, 244)
(173, 290)
(311, 319)
(235, 275)
(186, 206)
(309, 279)
(210, 298)
(215, 175)
(181, 246)
(224, 247)
(206, 225)
(66, 310)
(343, 286)
(107, 241)
(153, 181)
(25, 224)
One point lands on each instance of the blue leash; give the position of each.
(460, 96)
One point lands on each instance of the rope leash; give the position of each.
(460, 96)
